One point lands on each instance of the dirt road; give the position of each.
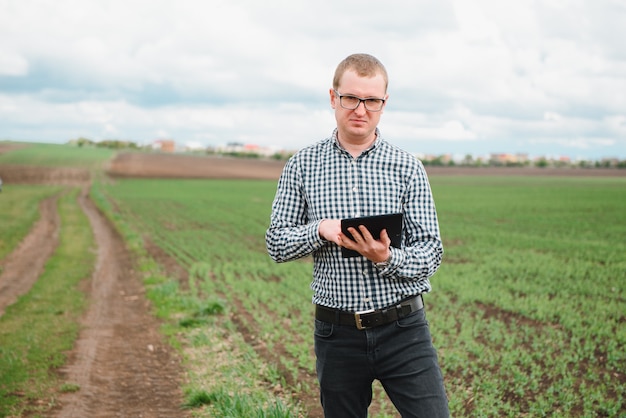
(120, 360)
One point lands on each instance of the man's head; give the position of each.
(358, 96)
(364, 65)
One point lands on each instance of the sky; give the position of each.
(543, 78)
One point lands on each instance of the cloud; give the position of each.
(464, 74)
(12, 64)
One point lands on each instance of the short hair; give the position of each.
(364, 65)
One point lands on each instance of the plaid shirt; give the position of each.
(323, 181)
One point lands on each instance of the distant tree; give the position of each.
(117, 144)
(242, 154)
(437, 161)
(81, 142)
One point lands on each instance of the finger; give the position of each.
(365, 233)
(356, 235)
(346, 242)
(384, 238)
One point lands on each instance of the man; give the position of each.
(370, 321)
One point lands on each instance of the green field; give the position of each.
(54, 155)
(527, 311)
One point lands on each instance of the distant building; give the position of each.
(508, 159)
(164, 145)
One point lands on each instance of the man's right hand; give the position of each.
(330, 230)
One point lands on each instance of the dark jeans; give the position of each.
(399, 354)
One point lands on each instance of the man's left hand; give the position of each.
(364, 243)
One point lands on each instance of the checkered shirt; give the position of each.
(323, 181)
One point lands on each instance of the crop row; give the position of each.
(527, 308)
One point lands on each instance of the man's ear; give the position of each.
(333, 98)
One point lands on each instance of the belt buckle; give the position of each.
(357, 318)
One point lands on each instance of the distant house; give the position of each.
(508, 159)
(164, 145)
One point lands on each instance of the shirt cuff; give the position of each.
(314, 236)
(396, 259)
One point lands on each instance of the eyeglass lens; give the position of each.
(352, 102)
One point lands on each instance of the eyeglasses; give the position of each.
(352, 102)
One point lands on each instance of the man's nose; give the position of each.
(361, 108)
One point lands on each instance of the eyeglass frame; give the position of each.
(361, 100)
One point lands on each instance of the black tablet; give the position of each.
(392, 222)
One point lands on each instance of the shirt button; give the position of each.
(365, 272)
(354, 189)
(366, 299)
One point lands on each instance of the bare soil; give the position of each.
(121, 362)
(157, 165)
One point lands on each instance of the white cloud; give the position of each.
(464, 73)
(12, 64)
(552, 116)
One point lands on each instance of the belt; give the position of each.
(371, 318)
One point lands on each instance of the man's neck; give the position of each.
(355, 147)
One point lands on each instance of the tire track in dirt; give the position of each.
(120, 360)
(24, 265)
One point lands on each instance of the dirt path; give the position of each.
(120, 360)
(22, 267)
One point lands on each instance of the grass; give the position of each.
(233, 405)
(535, 270)
(527, 309)
(524, 258)
(56, 155)
(19, 210)
(226, 376)
(42, 325)
(69, 387)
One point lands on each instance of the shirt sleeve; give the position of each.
(291, 235)
(422, 252)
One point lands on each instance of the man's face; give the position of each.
(358, 125)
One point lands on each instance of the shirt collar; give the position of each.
(374, 145)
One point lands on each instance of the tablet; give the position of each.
(392, 222)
